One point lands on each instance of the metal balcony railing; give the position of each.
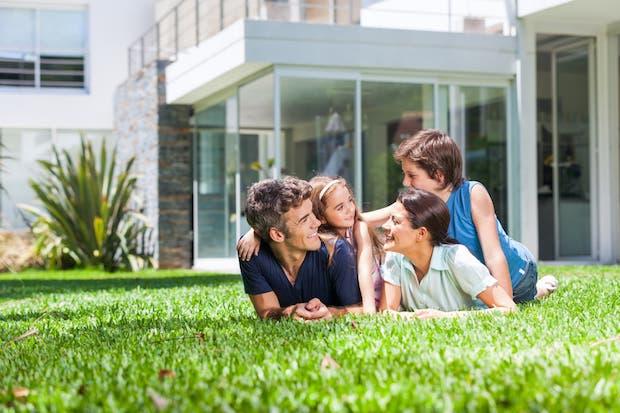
(192, 21)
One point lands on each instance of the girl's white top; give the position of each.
(453, 281)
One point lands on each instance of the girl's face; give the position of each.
(418, 178)
(400, 236)
(339, 208)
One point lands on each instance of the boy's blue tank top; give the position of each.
(463, 230)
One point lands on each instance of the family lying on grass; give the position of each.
(312, 255)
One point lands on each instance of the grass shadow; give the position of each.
(13, 289)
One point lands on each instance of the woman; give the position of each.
(426, 273)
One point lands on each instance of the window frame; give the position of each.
(38, 52)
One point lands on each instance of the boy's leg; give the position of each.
(525, 289)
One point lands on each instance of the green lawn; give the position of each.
(105, 342)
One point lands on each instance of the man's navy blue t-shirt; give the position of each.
(334, 285)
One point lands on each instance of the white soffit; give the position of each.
(249, 46)
(601, 12)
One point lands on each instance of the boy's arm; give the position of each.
(483, 214)
(376, 218)
(365, 266)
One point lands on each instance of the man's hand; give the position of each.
(313, 310)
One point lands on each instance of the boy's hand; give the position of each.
(248, 245)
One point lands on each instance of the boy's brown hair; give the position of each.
(433, 151)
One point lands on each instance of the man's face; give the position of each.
(302, 227)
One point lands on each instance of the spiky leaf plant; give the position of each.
(88, 219)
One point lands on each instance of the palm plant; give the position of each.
(88, 220)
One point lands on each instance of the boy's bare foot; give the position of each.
(545, 286)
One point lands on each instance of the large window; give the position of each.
(216, 199)
(313, 128)
(317, 127)
(391, 112)
(42, 48)
(476, 118)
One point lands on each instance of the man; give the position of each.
(293, 274)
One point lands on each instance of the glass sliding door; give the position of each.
(565, 107)
(391, 112)
(256, 137)
(215, 176)
(571, 171)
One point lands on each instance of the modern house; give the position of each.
(529, 90)
(60, 64)
(222, 93)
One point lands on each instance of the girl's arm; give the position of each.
(376, 218)
(485, 221)
(248, 245)
(365, 266)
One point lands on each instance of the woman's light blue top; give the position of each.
(463, 230)
(453, 281)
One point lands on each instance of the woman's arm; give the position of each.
(497, 299)
(376, 218)
(485, 221)
(390, 297)
(365, 266)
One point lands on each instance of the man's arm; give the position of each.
(267, 306)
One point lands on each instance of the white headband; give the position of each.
(326, 187)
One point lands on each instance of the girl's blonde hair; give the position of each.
(322, 187)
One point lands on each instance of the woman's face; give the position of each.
(339, 208)
(418, 178)
(400, 236)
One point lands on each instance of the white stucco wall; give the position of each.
(112, 26)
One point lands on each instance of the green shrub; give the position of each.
(88, 219)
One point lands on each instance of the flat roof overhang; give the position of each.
(249, 46)
(580, 12)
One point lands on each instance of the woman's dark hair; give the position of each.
(425, 209)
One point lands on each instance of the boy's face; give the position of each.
(418, 178)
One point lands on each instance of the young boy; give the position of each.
(432, 161)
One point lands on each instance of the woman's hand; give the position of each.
(424, 314)
(248, 245)
(428, 313)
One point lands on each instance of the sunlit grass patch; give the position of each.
(181, 340)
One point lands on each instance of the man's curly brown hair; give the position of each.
(270, 199)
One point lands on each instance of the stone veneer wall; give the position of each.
(160, 136)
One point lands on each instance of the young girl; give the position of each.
(432, 161)
(333, 204)
(426, 273)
